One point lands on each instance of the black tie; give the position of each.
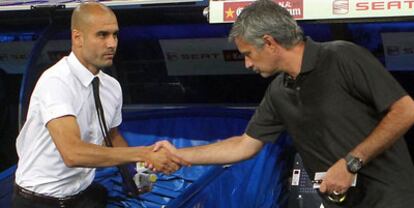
(123, 169)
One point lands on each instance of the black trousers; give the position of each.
(95, 196)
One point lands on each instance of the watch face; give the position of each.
(353, 164)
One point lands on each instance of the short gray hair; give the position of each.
(264, 17)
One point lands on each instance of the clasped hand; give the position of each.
(162, 159)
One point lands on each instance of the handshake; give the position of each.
(163, 157)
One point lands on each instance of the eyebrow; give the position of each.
(106, 32)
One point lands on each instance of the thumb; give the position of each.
(322, 187)
(157, 146)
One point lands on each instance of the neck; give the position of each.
(90, 67)
(93, 71)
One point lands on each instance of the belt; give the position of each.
(49, 200)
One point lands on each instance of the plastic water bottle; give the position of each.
(144, 178)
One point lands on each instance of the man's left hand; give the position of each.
(337, 179)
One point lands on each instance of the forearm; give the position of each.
(77, 153)
(91, 155)
(226, 151)
(395, 124)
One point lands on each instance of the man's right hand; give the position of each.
(165, 144)
(164, 161)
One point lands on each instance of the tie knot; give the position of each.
(95, 82)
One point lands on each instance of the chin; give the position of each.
(265, 75)
(106, 65)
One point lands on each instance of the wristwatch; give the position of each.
(353, 164)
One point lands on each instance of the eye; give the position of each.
(102, 34)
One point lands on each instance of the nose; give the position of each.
(112, 41)
(248, 63)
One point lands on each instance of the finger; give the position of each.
(322, 188)
(338, 192)
(146, 164)
(168, 146)
(157, 146)
(174, 167)
(165, 170)
(169, 166)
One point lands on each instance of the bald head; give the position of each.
(94, 35)
(84, 14)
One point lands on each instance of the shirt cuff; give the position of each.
(56, 112)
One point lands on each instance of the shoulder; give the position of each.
(342, 49)
(57, 83)
(58, 73)
(112, 82)
(338, 44)
(344, 56)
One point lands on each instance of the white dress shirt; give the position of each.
(63, 89)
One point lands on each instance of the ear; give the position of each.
(270, 42)
(77, 39)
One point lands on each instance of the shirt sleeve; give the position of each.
(265, 125)
(117, 120)
(55, 99)
(368, 80)
(118, 117)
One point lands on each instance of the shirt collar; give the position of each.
(81, 72)
(310, 55)
(309, 59)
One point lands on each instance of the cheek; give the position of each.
(92, 47)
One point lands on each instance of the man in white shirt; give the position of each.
(61, 143)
